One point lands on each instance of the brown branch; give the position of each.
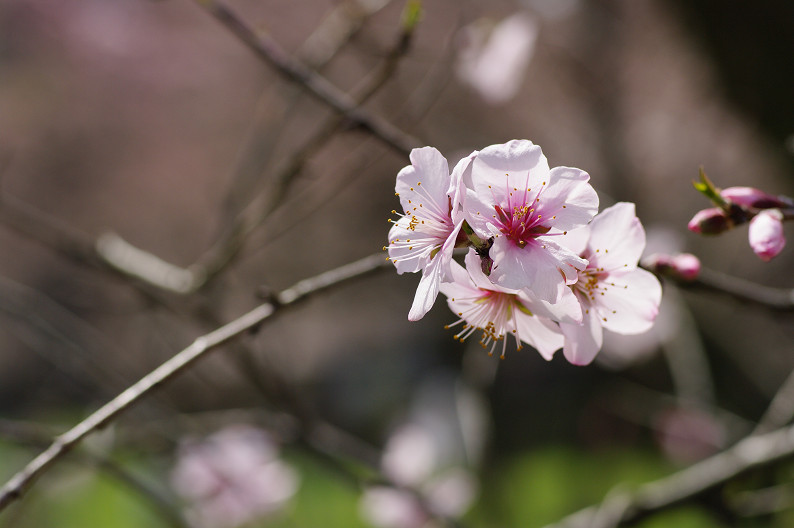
(270, 52)
(221, 254)
(20, 482)
(338, 27)
(779, 299)
(623, 509)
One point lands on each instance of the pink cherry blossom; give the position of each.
(232, 478)
(494, 59)
(766, 234)
(423, 239)
(513, 197)
(614, 293)
(497, 312)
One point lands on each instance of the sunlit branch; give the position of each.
(20, 482)
(624, 508)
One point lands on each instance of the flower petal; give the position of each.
(617, 238)
(569, 201)
(430, 169)
(567, 309)
(542, 334)
(400, 251)
(427, 291)
(500, 169)
(539, 267)
(438, 269)
(582, 342)
(629, 301)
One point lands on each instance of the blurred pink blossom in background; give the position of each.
(232, 477)
(494, 57)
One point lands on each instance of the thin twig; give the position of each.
(221, 254)
(269, 51)
(778, 299)
(781, 408)
(20, 482)
(341, 24)
(32, 434)
(625, 508)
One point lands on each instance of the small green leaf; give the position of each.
(710, 191)
(412, 14)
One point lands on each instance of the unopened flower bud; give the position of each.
(766, 234)
(755, 198)
(683, 266)
(710, 222)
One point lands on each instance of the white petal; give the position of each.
(538, 268)
(460, 179)
(430, 168)
(618, 236)
(494, 64)
(427, 291)
(499, 169)
(582, 342)
(567, 309)
(575, 240)
(568, 201)
(478, 213)
(541, 333)
(631, 305)
(398, 253)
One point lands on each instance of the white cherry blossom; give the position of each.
(513, 197)
(498, 312)
(423, 239)
(614, 292)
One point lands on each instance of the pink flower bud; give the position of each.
(683, 266)
(755, 198)
(686, 266)
(710, 222)
(766, 234)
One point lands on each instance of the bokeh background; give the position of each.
(150, 120)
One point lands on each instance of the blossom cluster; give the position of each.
(541, 265)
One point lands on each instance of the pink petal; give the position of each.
(582, 342)
(567, 309)
(427, 291)
(434, 272)
(399, 231)
(630, 301)
(542, 334)
(430, 169)
(569, 198)
(539, 267)
(498, 169)
(617, 238)
(478, 213)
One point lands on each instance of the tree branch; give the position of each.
(780, 299)
(686, 485)
(270, 52)
(20, 482)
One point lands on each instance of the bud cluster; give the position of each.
(737, 205)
